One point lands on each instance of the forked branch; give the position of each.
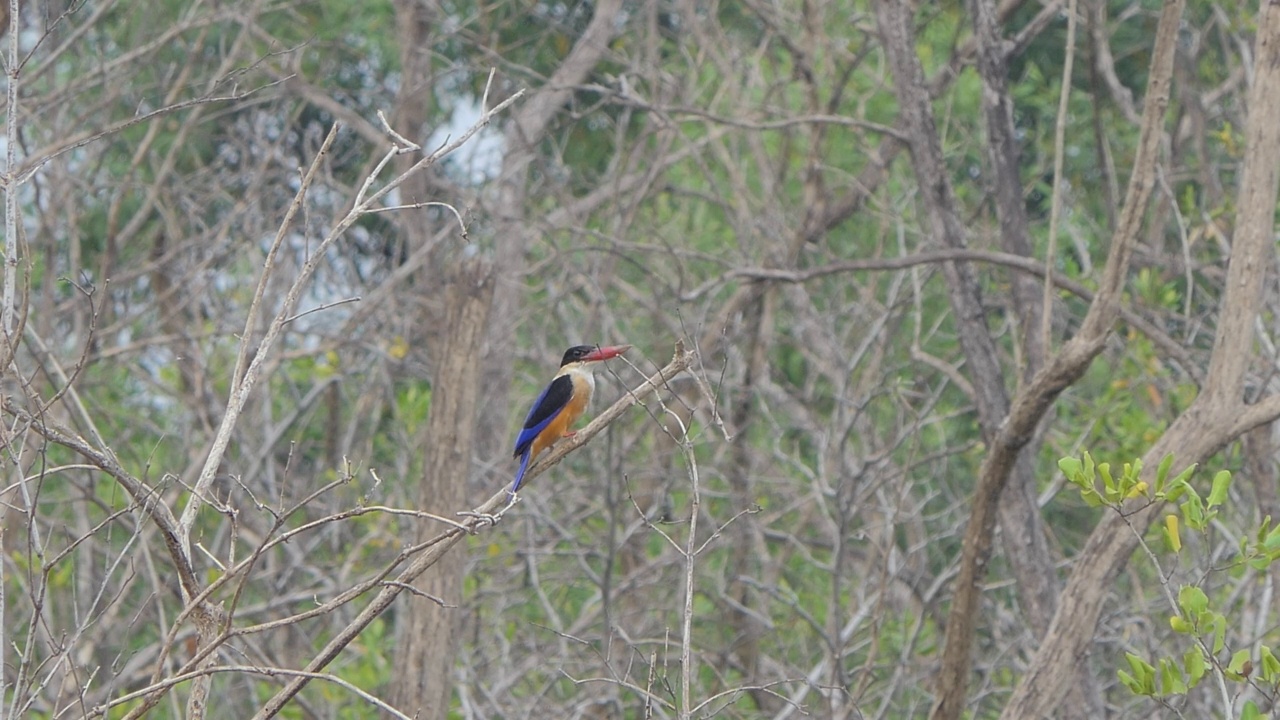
(483, 515)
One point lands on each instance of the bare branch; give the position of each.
(146, 498)
(245, 374)
(1015, 429)
(1059, 152)
(443, 542)
(244, 378)
(169, 682)
(1216, 415)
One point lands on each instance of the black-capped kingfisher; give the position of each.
(560, 404)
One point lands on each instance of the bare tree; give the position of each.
(427, 648)
(258, 398)
(1017, 420)
(1222, 412)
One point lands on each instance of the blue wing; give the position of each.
(553, 400)
(546, 408)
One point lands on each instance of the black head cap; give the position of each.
(576, 354)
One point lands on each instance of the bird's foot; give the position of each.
(569, 433)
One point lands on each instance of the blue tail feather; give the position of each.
(524, 465)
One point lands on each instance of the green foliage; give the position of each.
(1265, 548)
(858, 436)
(1199, 614)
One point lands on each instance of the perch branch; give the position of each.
(475, 520)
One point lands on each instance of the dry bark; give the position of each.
(427, 631)
(1033, 399)
(1024, 539)
(1217, 416)
(512, 228)
(426, 554)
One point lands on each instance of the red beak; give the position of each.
(605, 353)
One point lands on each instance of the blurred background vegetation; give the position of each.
(676, 171)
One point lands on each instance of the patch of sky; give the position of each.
(480, 159)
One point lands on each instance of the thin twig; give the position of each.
(1055, 207)
(649, 697)
(442, 543)
(144, 495)
(1218, 675)
(169, 682)
(245, 374)
(407, 145)
(690, 555)
(322, 308)
(930, 257)
(8, 299)
(245, 378)
(11, 184)
(417, 205)
(44, 156)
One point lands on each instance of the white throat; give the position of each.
(584, 375)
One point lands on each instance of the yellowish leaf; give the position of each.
(399, 348)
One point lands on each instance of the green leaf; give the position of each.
(1250, 711)
(1193, 512)
(1171, 682)
(1130, 682)
(1162, 472)
(1185, 475)
(1108, 482)
(1219, 626)
(1221, 484)
(1270, 665)
(1179, 485)
(1193, 661)
(1144, 673)
(1180, 624)
(1241, 661)
(1091, 497)
(1272, 541)
(1132, 471)
(1192, 600)
(1071, 468)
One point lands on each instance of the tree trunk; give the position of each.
(513, 229)
(1217, 416)
(427, 639)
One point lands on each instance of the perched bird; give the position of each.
(560, 404)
